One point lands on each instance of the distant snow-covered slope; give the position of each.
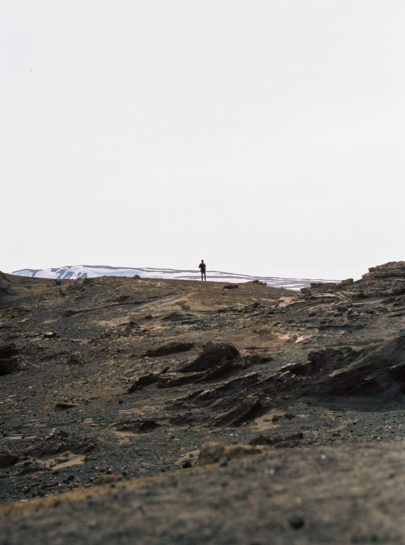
(92, 271)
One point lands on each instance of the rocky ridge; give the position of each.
(73, 272)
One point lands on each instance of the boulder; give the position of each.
(213, 354)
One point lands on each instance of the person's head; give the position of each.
(202, 261)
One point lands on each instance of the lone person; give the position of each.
(202, 266)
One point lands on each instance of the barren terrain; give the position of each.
(180, 412)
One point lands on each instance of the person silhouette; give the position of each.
(202, 266)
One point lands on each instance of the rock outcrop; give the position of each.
(378, 370)
(5, 287)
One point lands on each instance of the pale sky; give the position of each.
(265, 136)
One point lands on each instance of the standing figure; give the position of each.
(202, 266)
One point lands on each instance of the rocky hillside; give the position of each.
(169, 411)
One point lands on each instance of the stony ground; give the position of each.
(163, 411)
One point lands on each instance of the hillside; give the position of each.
(172, 411)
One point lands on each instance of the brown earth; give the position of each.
(164, 411)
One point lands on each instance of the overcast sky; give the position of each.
(265, 136)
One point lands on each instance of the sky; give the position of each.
(265, 136)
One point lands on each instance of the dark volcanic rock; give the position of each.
(296, 522)
(257, 282)
(8, 358)
(54, 442)
(243, 410)
(181, 318)
(288, 441)
(325, 360)
(7, 459)
(169, 348)
(141, 425)
(75, 359)
(233, 387)
(144, 380)
(213, 354)
(380, 369)
(64, 405)
(59, 441)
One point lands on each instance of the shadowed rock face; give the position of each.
(274, 409)
(8, 358)
(378, 370)
(214, 355)
(5, 287)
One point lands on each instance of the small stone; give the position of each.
(75, 359)
(64, 405)
(7, 459)
(223, 462)
(296, 522)
(49, 334)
